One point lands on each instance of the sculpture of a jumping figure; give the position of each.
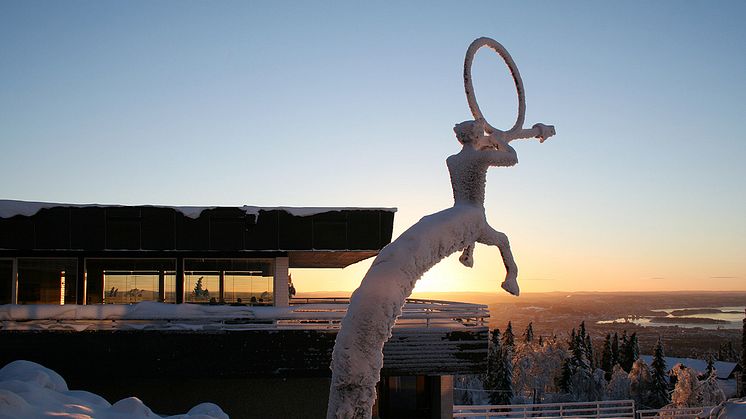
(374, 307)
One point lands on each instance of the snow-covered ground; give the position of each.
(29, 390)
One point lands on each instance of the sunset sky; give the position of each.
(353, 104)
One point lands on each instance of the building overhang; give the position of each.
(311, 237)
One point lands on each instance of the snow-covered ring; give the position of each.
(469, 87)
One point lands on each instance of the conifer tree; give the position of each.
(505, 385)
(615, 349)
(626, 351)
(588, 346)
(494, 365)
(508, 339)
(659, 395)
(528, 335)
(565, 379)
(634, 349)
(606, 358)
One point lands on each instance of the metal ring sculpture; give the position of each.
(469, 87)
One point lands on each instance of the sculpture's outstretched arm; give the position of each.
(540, 131)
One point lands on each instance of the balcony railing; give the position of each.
(317, 313)
(600, 409)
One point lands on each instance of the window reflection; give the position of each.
(47, 280)
(128, 281)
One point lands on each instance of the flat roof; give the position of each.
(312, 237)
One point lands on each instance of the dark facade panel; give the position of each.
(263, 234)
(192, 233)
(53, 228)
(294, 233)
(364, 230)
(88, 228)
(386, 221)
(330, 230)
(227, 228)
(158, 228)
(123, 228)
(16, 233)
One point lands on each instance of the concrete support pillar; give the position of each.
(14, 283)
(280, 286)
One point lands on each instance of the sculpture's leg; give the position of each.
(467, 257)
(492, 237)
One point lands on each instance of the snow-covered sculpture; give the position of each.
(374, 307)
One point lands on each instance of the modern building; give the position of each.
(216, 320)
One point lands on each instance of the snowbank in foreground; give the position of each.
(29, 390)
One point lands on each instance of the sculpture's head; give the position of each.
(470, 132)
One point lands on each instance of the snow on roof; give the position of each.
(724, 369)
(29, 390)
(10, 208)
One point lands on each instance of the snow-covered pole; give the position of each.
(357, 358)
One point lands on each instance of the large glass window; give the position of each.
(246, 281)
(128, 281)
(6, 280)
(47, 281)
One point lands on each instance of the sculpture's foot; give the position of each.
(466, 259)
(511, 284)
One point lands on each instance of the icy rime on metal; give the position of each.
(374, 307)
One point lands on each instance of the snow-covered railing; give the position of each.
(600, 409)
(159, 316)
(676, 413)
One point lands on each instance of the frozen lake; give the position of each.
(727, 317)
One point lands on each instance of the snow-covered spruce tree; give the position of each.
(584, 384)
(565, 379)
(505, 384)
(659, 396)
(528, 335)
(508, 337)
(615, 349)
(640, 383)
(606, 358)
(588, 345)
(619, 385)
(627, 351)
(498, 380)
(634, 345)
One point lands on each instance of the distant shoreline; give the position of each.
(687, 320)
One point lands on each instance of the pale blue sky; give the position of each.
(352, 104)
